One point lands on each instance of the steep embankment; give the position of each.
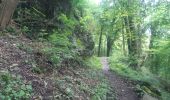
(26, 72)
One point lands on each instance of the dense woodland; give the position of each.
(51, 49)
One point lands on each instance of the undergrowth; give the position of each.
(93, 62)
(85, 84)
(13, 87)
(92, 83)
(99, 90)
(146, 81)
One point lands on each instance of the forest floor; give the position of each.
(124, 90)
(22, 57)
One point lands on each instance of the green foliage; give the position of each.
(64, 48)
(37, 69)
(24, 47)
(147, 82)
(66, 89)
(117, 64)
(69, 25)
(60, 50)
(57, 55)
(13, 88)
(79, 3)
(101, 91)
(161, 60)
(59, 40)
(67, 22)
(25, 29)
(85, 88)
(11, 30)
(90, 83)
(65, 45)
(93, 62)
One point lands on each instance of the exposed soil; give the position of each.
(124, 90)
(19, 56)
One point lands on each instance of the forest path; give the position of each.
(123, 89)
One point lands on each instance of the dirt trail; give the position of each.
(123, 89)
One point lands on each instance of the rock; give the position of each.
(148, 97)
(13, 65)
(86, 41)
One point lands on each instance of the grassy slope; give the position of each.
(145, 81)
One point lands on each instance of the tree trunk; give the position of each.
(109, 45)
(123, 38)
(153, 32)
(100, 41)
(7, 8)
(131, 41)
(153, 58)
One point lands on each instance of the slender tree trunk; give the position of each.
(110, 42)
(124, 46)
(152, 37)
(108, 46)
(104, 48)
(123, 38)
(100, 41)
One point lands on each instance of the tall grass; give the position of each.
(93, 62)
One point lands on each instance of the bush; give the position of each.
(160, 60)
(93, 62)
(146, 81)
(13, 88)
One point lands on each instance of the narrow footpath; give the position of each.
(123, 89)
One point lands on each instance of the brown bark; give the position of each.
(7, 8)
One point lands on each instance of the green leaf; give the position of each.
(21, 93)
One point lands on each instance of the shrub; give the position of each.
(146, 81)
(13, 88)
(93, 62)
